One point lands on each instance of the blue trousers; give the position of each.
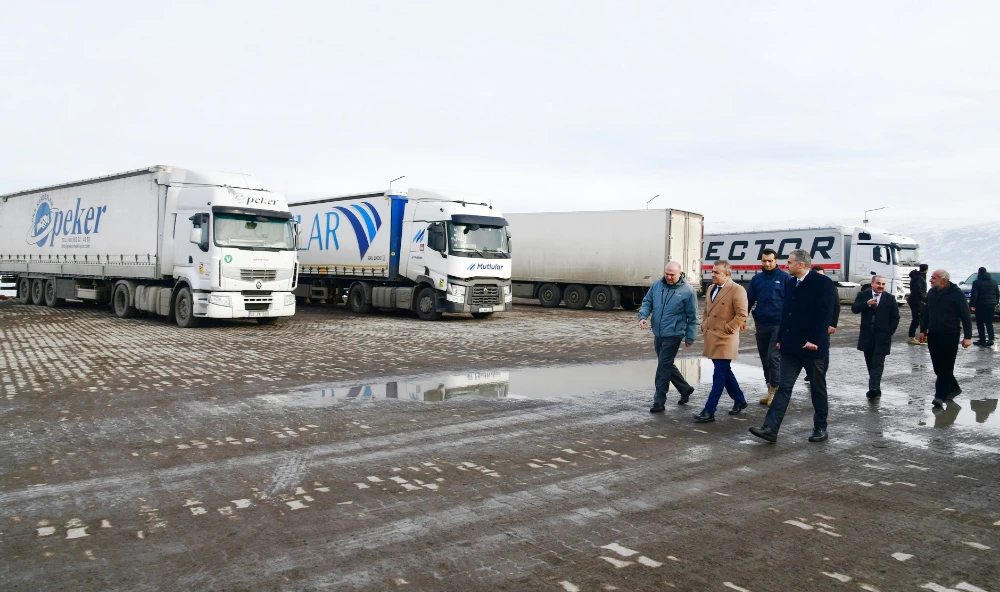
(666, 371)
(723, 378)
(791, 366)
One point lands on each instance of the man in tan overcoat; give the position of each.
(725, 316)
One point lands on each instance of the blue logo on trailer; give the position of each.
(364, 220)
(366, 232)
(420, 235)
(48, 222)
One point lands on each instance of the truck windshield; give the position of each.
(909, 255)
(253, 232)
(473, 240)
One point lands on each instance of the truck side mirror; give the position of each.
(299, 239)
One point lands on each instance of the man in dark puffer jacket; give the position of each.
(983, 301)
(946, 314)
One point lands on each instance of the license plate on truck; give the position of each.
(485, 309)
(257, 313)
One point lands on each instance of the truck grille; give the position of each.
(256, 302)
(249, 275)
(485, 295)
(256, 306)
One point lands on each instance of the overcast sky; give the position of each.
(738, 110)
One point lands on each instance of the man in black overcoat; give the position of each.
(879, 320)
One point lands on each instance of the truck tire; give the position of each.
(51, 300)
(123, 308)
(629, 299)
(184, 309)
(549, 295)
(602, 298)
(426, 300)
(576, 296)
(38, 291)
(482, 315)
(24, 290)
(356, 300)
(267, 320)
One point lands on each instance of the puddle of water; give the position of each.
(978, 413)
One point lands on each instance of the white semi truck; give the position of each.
(605, 258)
(161, 240)
(420, 251)
(850, 255)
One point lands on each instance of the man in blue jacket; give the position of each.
(804, 342)
(670, 308)
(767, 291)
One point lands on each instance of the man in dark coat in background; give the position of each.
(879, 320)
(983, 301)
(916, 300)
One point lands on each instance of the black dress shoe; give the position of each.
(873, 394)
(764, 433)
(704, 417)
(737, 408)
(937, 402)
(685, 396)
(989, 343)
(955, 393)
(818, 436)
(980, 343)
(656, 409)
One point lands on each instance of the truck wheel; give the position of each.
(50, 295)
(356, 300)
(184, 309)
(24, 290)
(267, 320)
(602, 298)
(38, 292)
(425, 305)
(482, 315)
(120, 302)
(549, 295)
(576, 296)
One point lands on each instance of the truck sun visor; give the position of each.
(251, 212)
(480, 220)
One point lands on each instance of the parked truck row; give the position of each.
(189, 245)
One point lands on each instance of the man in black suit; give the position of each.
(804, 342)
(879, 320)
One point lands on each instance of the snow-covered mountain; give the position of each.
(960, 246)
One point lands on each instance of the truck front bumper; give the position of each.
(463, 307)
(213, 305)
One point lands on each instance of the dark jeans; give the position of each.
(876, 365)
(916, 309)
(666, 371)
(770, 357)
(791, 366)
(723, 378)
(984, 322)
(943, 348)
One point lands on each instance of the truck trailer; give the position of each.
(420, 251)
(161, 240)
(605, 258)
(850, 255)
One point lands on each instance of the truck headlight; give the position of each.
(289, 299)
(507, 296)
(219, 300)
(456, 290)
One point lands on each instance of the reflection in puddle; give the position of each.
(952, 414)
(549, 382)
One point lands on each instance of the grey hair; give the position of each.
(675, 264)
(943, 273)
(724, 265)
(879, 277)
(802, 256)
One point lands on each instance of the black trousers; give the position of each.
(943, 348)
(791, 366)
(984, 322)
(876, 365)
(916, 309)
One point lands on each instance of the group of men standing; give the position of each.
(795, 313)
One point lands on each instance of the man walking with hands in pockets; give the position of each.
(725, 315)
(670, 308)
(804, 342)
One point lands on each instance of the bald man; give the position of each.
(670, 308)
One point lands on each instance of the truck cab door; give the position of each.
(188, 254)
